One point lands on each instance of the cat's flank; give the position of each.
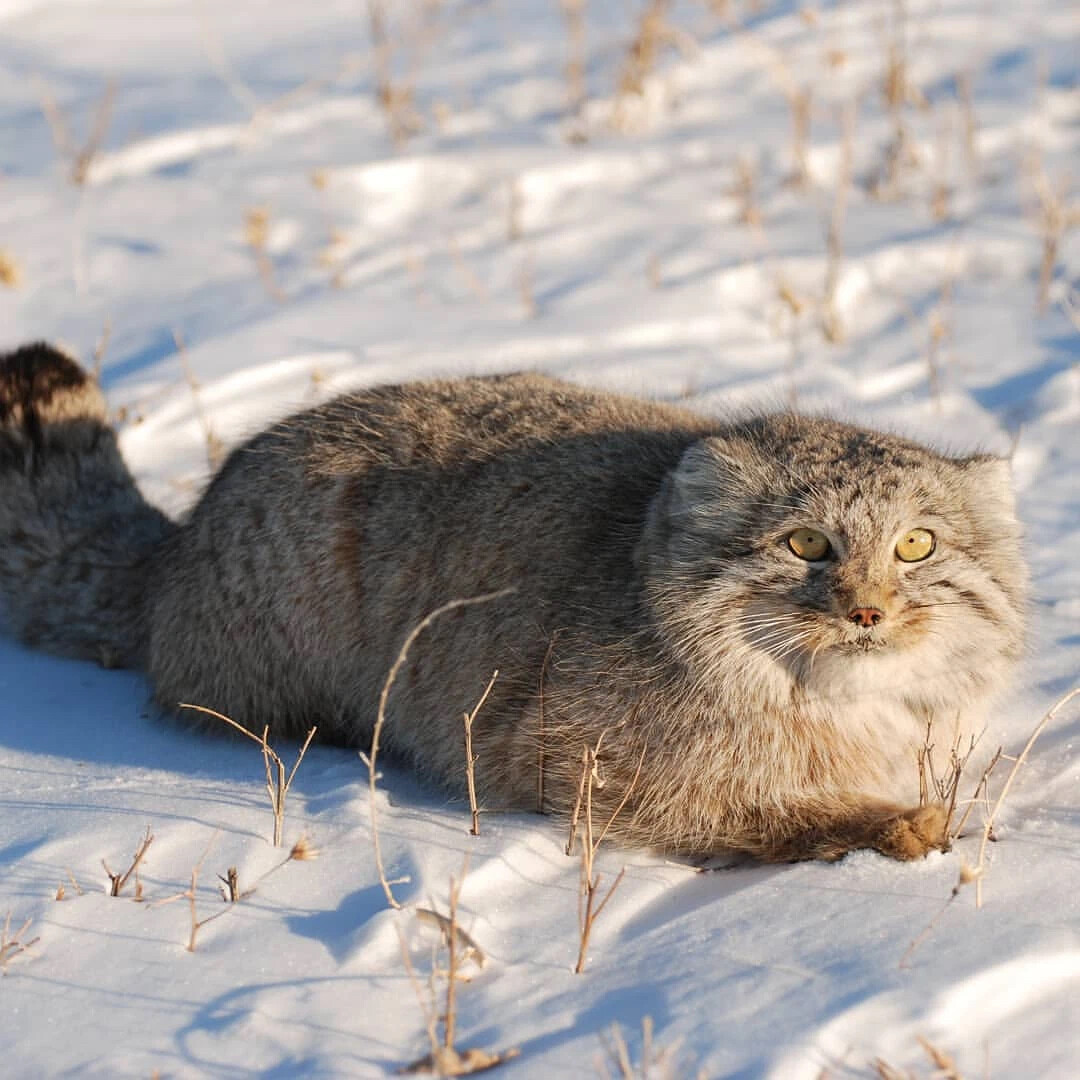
(764, 615)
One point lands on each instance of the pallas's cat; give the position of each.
(757, 620)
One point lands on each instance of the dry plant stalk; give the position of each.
(831, 325)
(942, 789)
(257, 237)
(277, 783)
(370, 758)
(1055, 217)
(574, 14)
(444, 1058)
(945, 1067)
(395, 99)
(118, 881)
(79, 157)
(230, 886)
(590, 904)
(800, 101)
(215, 448)
(654, 35)
(102, 344)
(10, 271)
(975, 874)
(898, 92)
(745, 191)
(657, 1062)
(988, 827)
(11, 945)
(470, 759)
(300, 852)
(940, 189)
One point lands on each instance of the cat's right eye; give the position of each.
(809, 544)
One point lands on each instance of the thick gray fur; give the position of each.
(656, 601)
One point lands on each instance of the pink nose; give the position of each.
(866, 616)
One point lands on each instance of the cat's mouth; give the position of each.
(864, 645)
(866, 641)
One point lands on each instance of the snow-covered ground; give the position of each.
(241, 192)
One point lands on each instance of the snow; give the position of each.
(506, 234)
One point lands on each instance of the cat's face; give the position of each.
(839, 554)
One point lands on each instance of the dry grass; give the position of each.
(976, 874)
(257, 238)
(118, 881)
(653, 37)
(456, 950)
(745, 191)
(370, 758)
(1055, 216)
(944, 1064)
(10, 271)
(942, 789)
(590, 902)
(655, 1062)
(470, 758)
(78, 155)
(396, 97)
(277, 783)
(61, 891)
(831, 323)
(899, 93)
(231, 893)
(12, 945)
(215, 448)
(576, 58)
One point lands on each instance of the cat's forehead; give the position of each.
(841, 470)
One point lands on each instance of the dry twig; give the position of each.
(656, 1063)
(369, 759)
(470, 760)
(277, 783)
(11, 945)
(591, 904)
(78, 157)
(215, 448)
(831, 324)
(980, 865)
(118, 881)
(444, 1058)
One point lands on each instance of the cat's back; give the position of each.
(526, 461)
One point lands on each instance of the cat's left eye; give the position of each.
(916, 545)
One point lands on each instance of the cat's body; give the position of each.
(776, 703)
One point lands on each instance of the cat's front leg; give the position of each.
(829, 833)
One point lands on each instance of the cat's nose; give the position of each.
(866, 616)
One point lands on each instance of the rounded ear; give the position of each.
(989, 486)
(710, 478)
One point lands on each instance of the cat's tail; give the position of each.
(77, 539)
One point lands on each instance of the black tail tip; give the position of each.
(40, 385)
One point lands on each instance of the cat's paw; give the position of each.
(914, 833)
(41, 385)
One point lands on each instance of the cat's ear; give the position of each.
(710, 476)
(703, 496)
(989, 486)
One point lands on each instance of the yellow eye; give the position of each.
(916, 545)
(809, 544)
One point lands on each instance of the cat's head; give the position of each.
(841, 556)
